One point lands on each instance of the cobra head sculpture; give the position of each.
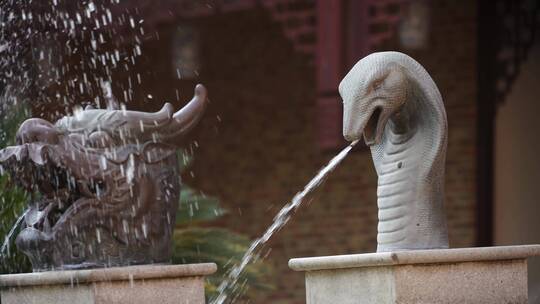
(108, 181)
(391, 101)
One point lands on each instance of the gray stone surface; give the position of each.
(121, 285)
(470, 282)
(469, 275)
(391, 101)
(48, 294)
(350, 286)
(433, 256)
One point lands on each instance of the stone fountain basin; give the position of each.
(132, 284)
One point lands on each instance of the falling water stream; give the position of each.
(227, 285)
(100, 23)
(7, 239)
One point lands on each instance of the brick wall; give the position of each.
(265, 148)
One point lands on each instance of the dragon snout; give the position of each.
(37, 130)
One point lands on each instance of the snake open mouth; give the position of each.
(371, 129)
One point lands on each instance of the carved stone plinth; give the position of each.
(469, 275)
(134, 285)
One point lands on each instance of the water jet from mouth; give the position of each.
(228, 285)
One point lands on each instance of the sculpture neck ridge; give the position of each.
(410, 166)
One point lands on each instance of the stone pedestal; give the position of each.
(160, 284)
(468, 275)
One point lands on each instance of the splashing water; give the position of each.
(280, 220)
(7, 239)
(70, 48)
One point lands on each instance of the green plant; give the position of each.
(194, 242)
(12, 198)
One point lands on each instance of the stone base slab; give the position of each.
(161, 284)
(468, 275)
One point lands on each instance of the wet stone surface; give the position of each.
(107, 185)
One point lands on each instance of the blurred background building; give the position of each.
(272, 68)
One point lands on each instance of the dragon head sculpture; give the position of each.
(108, 182)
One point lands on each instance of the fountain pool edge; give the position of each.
(427, 256)
(131, 284)
(489, 275)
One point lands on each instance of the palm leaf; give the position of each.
(196, 207)
(220, 246)
(196, 244)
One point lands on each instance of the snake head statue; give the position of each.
(108, 185)
(391, 101)
(377, 94)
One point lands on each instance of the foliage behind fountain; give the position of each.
(12, 198)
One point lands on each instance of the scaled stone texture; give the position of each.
(108, 183)
(391, 101)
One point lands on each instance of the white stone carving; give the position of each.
(391, 100)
